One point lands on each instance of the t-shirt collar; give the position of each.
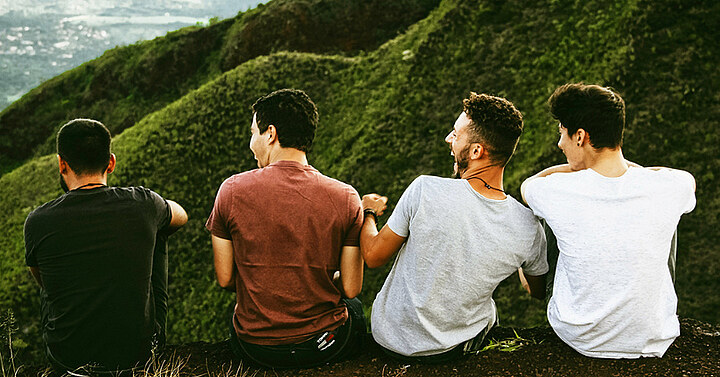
(291, 164)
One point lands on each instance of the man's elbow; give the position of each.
(370, 257)
(352, 292)
(226, 282)
(373, 262)
(179, 216)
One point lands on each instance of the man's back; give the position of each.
(287, 223)
(460, 246)
(613, 293)
(94, 250)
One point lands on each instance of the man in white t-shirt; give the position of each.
(456, 240)
(614, 221)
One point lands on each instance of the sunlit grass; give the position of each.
(510, 344)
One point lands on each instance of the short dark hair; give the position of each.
(293, 114)
(598, 110)
(85, 145)
(496, 124)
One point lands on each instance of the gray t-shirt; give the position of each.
(460, 246)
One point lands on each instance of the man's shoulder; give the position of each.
(243, 178)
(664, 174)
(137, 193)
(432, 181)
(43, 210)
(251, 179)
(334, 182)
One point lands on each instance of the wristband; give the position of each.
(369, 211)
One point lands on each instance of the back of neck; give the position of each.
(609, 163)
(487, 181)
(289, 154)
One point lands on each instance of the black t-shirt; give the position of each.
(94, 251)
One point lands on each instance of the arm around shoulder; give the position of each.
(562, 168)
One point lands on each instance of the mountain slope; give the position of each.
(127, 83)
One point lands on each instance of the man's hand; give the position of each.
(375, 202)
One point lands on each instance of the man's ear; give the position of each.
(271, 134)
(476, 151)
(581, 137)
(111, 164)
(62, 165)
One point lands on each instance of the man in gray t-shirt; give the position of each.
(456, 240)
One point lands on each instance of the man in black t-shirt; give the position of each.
(99, 256)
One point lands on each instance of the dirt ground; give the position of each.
(540, 353)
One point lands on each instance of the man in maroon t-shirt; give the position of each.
(280, 235)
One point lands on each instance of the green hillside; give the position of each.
(383, 118)
(128, 83)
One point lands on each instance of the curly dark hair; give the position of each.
(85, 145)
(293, 114)
(496, 124)
(597, 110)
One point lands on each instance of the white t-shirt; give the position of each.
(460, 246)
(613, 294)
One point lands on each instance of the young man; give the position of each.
(456, 239)
(280, 234)
(99, 256)
(614, 222)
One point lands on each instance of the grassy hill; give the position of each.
(383, 117)
(128, 83)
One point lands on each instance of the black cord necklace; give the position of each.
(87, 185)
(487, 186)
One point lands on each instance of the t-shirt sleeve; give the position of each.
(30, 243)
(217, 221)
(163, 214)
(686, 189)
(533, 195)
(355, 213)
(537, 263)
(399, 221)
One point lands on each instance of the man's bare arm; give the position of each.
(223, 257)
(535, 285)
(377, 247)
(178, 216)
(351, 271)
(36, 274)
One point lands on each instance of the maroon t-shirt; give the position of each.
(288, 224)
